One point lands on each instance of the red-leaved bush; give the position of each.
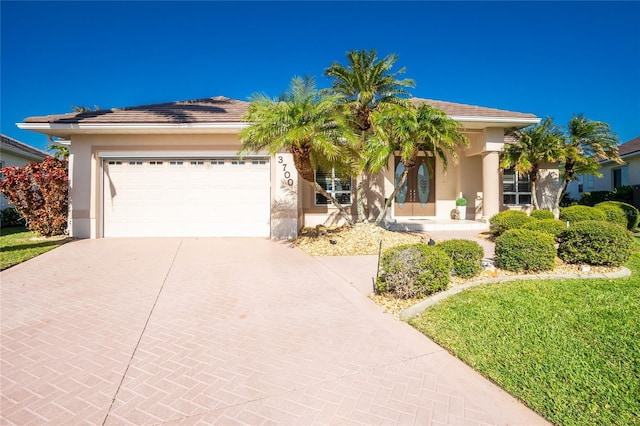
(40, 192)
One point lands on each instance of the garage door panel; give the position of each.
(178, 198)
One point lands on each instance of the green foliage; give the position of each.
(596, 243)
(10, 217)
(466, 256)
(461, 202)
(631, 213)
(621, 193)
(613, 213)
(541, 214)
(574, 214)
(553, 227)
(594, 197)
(567, 201)
(525, 250)
(508, 219)
(414, 270)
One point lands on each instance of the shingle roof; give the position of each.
(629, 147)
(209, 110)
(224, 110)
(464, 110)
(11, 144)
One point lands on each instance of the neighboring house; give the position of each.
(16, 153)
(172, 169)
(614, 175)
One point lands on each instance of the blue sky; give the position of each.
(547, 58)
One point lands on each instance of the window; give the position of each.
(589, 181)
(580, 184)
(1, 167)
(516, 189)
(340, 188)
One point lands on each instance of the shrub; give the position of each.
(575, 214)
(622, 193)
(613, 214)
(10, 217)
(553, 227)
(506, 220)
(466, 256)
(630, 212)
(414, 270)
(39, 192)
(596, 243)
(594, 197)
(542, 214)
(525, 250)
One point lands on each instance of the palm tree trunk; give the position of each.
(534, 195)
(360, 199)
(556, 204)
(340, 207)
(387, 204)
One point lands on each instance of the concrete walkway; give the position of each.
(220, 331)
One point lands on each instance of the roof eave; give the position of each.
(67, 129)
(484, 122)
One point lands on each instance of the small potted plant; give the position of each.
(461, 205)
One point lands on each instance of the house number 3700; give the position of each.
(287, 173)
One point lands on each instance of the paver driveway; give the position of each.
(224, 331)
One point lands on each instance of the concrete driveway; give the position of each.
(221, 331)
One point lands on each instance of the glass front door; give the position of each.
(417, 196)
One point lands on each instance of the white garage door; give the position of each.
(186, 198)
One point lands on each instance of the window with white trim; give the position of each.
(516, 188)
(1, 167)
(339, 188)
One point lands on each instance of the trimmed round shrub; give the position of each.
(466, 256)
(575, 214)
(613, 214)
(631, 213)
(542, 214)
(509, 219)
(10, 217)
(596, 243)
(525, 250)
(414, 270)
(553, 227)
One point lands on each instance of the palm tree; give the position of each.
(304, 123)
(533, 147)
(587, 142)
(410, 131)
(362, 87)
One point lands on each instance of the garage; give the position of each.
(186, 197)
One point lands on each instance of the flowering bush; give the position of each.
(40, 193)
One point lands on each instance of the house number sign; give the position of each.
(287, 173)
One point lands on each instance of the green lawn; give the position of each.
(570, 349)
(18, 244)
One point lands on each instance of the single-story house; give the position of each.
(614, 175)
(16, 153)
(173, 169)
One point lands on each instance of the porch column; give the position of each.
(490, 184)
(284, 201)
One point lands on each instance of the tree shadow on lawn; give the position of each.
(42, 244)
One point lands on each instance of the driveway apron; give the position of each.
(220, 331)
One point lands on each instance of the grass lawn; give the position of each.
(570, 349)
(17, 245)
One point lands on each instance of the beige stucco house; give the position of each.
(173, 170)
(16, 153)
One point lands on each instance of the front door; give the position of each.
(417, 197)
